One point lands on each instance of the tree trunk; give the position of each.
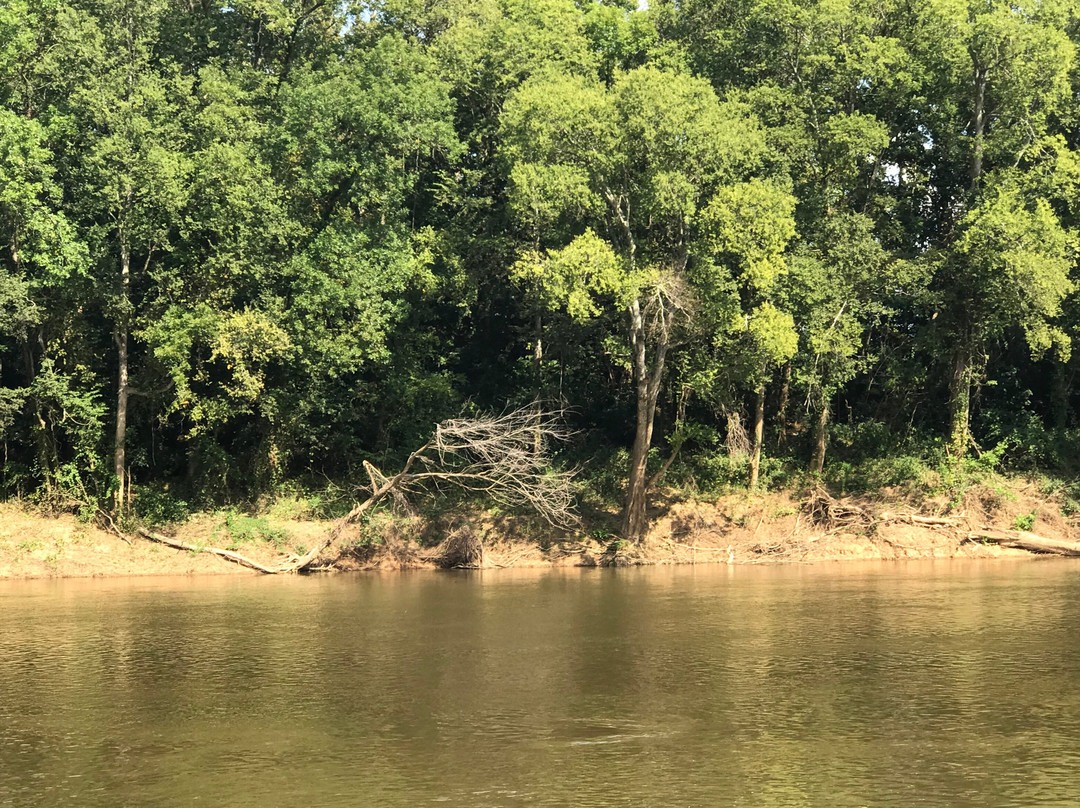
(538, 347)
(759, 434)
(781, 412)
(978, 123)
(122, 389)
(680, 420)
(647, 387)
(634, 523)
(1060, 395)
(538, 370)
(960, 402)
(817, 462)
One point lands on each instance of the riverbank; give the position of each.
(738, 528)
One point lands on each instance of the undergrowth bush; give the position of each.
(157, 506)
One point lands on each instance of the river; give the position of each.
(922, 683)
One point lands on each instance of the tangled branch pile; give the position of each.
(463, 549)
(834, 514)
(504, 457)
(500, 456)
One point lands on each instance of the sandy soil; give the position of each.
(34, 546)
(735, 529)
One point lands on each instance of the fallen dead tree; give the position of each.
(920, 520)
(501, 456)
(229, 555)
(1026, 541)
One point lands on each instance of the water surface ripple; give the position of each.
(922, 684)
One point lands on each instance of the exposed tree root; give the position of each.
(830, 513)
(463, 549)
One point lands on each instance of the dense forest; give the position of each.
(249, 245)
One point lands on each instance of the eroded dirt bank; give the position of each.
(733, 529)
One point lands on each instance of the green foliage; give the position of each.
(29, 545)
(577, 277)
(320, 229)
(601, 535)
(605, 478)
(242, 529)
(1025, 522)
(1014, 266)
(157, 506)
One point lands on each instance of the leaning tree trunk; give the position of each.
(647, 387)
(634, 524)
(759, 434)
(122, 387)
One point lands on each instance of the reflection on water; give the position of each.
(937, 684)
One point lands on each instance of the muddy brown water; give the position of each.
(930, 684)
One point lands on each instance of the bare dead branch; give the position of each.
(501, 456)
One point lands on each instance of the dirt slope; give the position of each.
(734, 529)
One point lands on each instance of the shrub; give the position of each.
(1025, 522)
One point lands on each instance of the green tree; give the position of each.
(1002, 74)
(1010, 267)
(127, 153)
(748, 227)
(647, 154)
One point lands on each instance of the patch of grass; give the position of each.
(29, 545)
(1003, 491)
(601, 534)
(242, 529)
(294, 507)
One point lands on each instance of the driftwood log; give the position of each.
(1027, 541)
(229, 555)
(920, 520)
